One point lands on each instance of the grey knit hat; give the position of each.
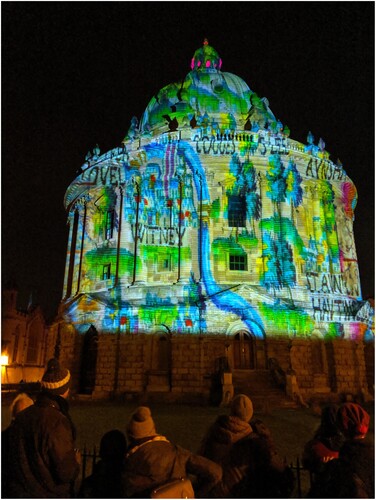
(141, 424)
(242, 407)
(55, 379)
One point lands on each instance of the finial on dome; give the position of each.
(206, 58)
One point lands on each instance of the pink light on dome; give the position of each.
(193, 63)
(208, 64)
(198, 64)
(220, 64)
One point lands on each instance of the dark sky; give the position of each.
(74, 74)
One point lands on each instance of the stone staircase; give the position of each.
(261, 388)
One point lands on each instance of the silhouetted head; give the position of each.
(20, 403)
(113, 446)
(329, 425)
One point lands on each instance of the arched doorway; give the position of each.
(164, 353)
(244, 351)
(88, 361)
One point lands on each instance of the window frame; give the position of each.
(235, 260)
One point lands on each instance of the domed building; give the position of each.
(210, 238)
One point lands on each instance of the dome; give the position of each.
(206, 97)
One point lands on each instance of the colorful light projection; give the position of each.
(208, 216)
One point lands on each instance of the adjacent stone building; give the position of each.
(210, 239)
(24, 339)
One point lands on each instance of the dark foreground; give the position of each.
(186, 424)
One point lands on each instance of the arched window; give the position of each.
(32, 346)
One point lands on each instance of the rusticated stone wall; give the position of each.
(129, 365)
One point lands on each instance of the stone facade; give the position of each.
(183, 368)
(210, 240)
(24, 340)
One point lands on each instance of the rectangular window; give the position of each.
(110, 217)
(106, 275)
(164, 263)
(238, 262)
(236, 211)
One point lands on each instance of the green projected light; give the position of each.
(210, 216)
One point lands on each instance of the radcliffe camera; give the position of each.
(211, 338)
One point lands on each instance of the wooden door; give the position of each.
(243, 351)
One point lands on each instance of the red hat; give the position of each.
(353, 420)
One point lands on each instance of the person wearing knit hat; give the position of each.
(353, 420)
(352, 475)
(141, 424)
(326, 442)
(55, 379)
(245, 450)
(241, 406)
(42, 458)
(152, 461)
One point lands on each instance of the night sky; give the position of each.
(74, 74)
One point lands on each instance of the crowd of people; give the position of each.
(237, 457)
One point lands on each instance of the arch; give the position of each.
(88, 361)
(238, 325)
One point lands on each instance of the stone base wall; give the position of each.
(131, 365)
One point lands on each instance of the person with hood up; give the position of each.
(20, 403)
(152, 460)
(251, 465)
(326, 441)
(352, 474)
(42, 460)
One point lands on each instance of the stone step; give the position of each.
(261, 388)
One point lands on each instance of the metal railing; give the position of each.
(303, 476)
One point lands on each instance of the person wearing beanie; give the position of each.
(326, 442)
(353, 420)
(244, 448)
(42, 457)
(241, 406)
(152, 460)
(352, 475)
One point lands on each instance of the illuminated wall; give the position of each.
(210, 219)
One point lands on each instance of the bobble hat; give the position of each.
(141, 424)
(55, 380)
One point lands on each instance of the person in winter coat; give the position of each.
(326, 441)
(251, 465)
(105, 481)
(20, 403)
(151, 460)
(351, 475)
(42, 460)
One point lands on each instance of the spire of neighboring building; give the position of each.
(206, 58)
